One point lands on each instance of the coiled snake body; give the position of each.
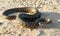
(29, 15)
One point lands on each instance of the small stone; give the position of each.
(1, 22)
(58, 20)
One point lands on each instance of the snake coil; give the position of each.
(29, 15)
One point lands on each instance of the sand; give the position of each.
(48, 8)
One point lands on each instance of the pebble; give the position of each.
(58, 20)
(1, 22)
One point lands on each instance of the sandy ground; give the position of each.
(48, 8)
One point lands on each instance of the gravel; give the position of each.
(48, 8)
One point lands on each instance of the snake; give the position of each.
(30, 15)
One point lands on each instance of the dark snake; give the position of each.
(31, 20)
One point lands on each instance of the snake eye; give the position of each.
(11, 17)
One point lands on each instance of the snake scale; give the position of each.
(30, 15)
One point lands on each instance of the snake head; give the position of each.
(29, 15)
(44, 21)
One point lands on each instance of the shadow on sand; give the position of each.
(54, 16)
